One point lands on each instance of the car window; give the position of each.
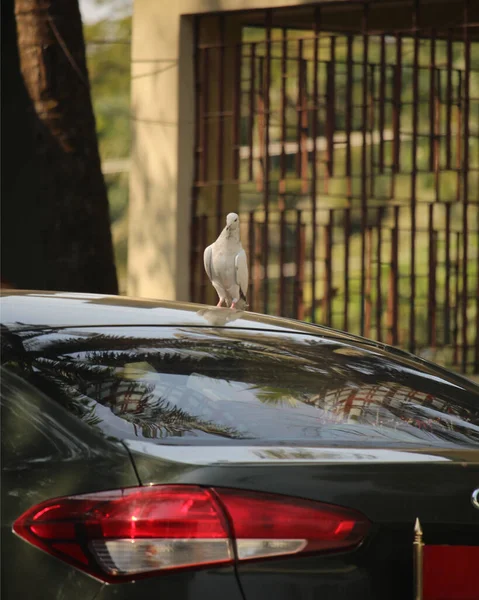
(200, 385)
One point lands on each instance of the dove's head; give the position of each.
(232, 222)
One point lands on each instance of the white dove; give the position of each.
(226, 264)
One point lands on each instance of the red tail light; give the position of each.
(120, 535)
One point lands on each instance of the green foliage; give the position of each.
(108, 56)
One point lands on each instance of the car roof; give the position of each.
(68, 309)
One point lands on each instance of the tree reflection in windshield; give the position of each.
(203, 383)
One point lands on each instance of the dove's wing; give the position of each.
(207, 259)
(241, 264)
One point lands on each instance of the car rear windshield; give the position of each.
(204, 386)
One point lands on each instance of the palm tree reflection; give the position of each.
(320, 385)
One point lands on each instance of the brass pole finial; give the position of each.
(418, 560)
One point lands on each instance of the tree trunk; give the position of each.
(71, 205)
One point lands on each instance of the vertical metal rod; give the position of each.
(447, 274)
(252, 103)
(304, 127)
(382, 102)
(364, 189)
(205, 82)
(257, 259)
(372, 122)
(349, 113)
(456, 300)
(266, 189)
(379, 299)
(195, 190)
(298, 281)
(368, 288)
(414, 145)
(314, 159)
(449, 99)
(302, 256)
(251, 255)
(437, 138)
(220, 130)
(237, 112)
(432, 100)
(328, 264)
(347, 237)
(282, 161)
(282, 254)
(465, 184)
(261, 126)
(299, 107)
(393, 311)
(331, 106)
(432, 280)
(397, 105)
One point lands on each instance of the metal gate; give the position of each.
(347, 137)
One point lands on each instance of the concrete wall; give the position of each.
(163, 138)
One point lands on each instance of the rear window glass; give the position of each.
(187, 385)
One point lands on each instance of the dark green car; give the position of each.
(168, 450)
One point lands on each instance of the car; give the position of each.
(172, 450)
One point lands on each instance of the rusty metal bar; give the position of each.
(349, 112)
(449, 99)
(393, 311)
(331, 106)
(304, 128)
(257, 270)
(456, 301)
(252, 104)
(415, 103)
(237, 113)
(251, 256)
(364, 156)
(432, 101)
(282, 254)
(372, 120)
(220, 131)
(459, 140)
(299, 105)
(465, 184)
(261, 127)
(328, 266)
(266, 187)
(314, 157)
(299, 276)
(382, 102)
(204, 110)
(347, 236)
(437, 138)
(397, 105)
(447, 284)
(379, 299)
(432, 305)
(368, 288)
(284, 75)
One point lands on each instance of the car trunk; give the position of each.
(391, 488)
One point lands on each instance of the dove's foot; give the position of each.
(220, 303)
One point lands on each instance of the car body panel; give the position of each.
(47, 453)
